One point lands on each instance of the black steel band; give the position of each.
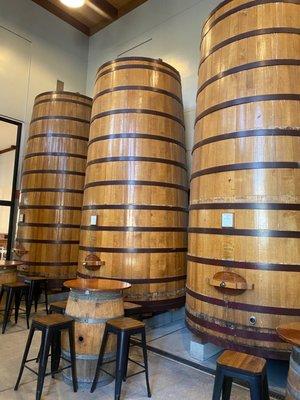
(245, 232)
(245, 206)
(133, 250)
(246, 166)
(244, 264)
(247, 100)
(137, 136)
(137, 183)
(137, 111)
(250, 133)
(139, 88)
(135, 158)
(244, 306)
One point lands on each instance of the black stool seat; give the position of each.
(37, 284)
(123, 328)
(51, 326)
(58, 307)
(14, 290)
(243, 367)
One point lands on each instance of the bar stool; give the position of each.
(132, 309)
(51, 326)
(123, 328)
(58, 307)
(244, 367)
(37, 284)
(14, 290)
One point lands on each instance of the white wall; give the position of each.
(174, 28)
(36, 49)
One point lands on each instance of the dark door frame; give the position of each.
(12, 202)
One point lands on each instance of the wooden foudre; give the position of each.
(136, 183)
(91, 303)
(52, 184)
(243, 268)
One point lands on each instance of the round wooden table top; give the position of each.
(5, 264)
(290, 333)
(97, 285)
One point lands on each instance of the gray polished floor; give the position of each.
(169, 379)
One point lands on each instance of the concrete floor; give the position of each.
(168, 379)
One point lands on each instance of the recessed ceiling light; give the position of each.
(73, 3)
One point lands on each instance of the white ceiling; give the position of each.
(8, 135)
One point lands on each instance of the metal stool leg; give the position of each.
(144, 345)
(100, 359)
(1, 294)
(46, 340)
(226, 390)
(73, 357)
(55, 352)
(8, 307)
(28, 344)
(122, 339)
(266, 395)
(30, 298)
(256, 392)
(126, 361)
(46, 296)
(18, 296)
(218, 384)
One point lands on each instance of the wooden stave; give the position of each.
(204, 130)
(229, 7)
(46, 194)
(293, 388)
(89, 325)
(251, 24)
(161, 136)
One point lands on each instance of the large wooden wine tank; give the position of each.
(243, 261)
(52, 184)
(136, 182)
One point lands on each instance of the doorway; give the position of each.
(10, 136)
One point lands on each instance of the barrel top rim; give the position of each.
(5, 264)
(96, 285)
(290, 333)
(63, 92)
(147, 59)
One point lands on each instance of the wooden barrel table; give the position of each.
(91, 303)
(243, 260)
(291, 334)
(9, 270)
(8, 274)
(136, 182)
(52, 184)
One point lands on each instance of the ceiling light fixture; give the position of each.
(73, 3)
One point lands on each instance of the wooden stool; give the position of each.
(58, 307)
(14, 290)
(51, 326)
(132, 309)
(37, 284)
(123, 328)
(246, 368)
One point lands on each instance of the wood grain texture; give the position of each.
(136, 181)
(241, 361)
(91, 310)
(246, 162)
(52, 183)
